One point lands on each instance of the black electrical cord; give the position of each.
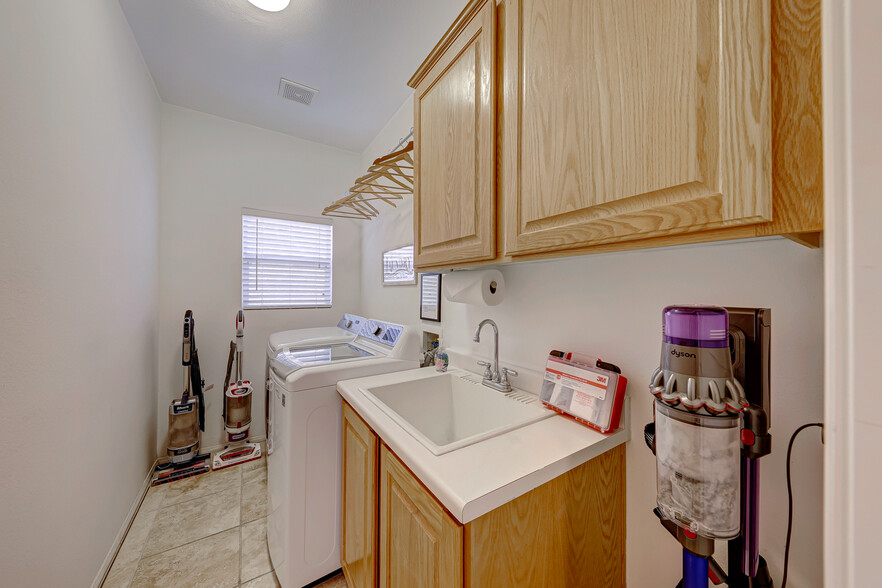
(790, 496)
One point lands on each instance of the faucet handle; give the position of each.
(488, 374)
(506, 372)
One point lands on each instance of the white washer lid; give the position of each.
(346, 330)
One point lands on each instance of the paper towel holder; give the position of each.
(485, 286)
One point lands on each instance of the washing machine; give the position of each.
(304, 470)
(347, 329)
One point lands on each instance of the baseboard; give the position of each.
(120, 537)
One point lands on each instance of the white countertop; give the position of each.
(477, 479)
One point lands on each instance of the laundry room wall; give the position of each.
(79, 182)
(610, 305)
(393, 228)
(211, 169)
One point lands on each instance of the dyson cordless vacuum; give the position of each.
(708, 435)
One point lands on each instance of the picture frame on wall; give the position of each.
(398, 267)
(430, 297)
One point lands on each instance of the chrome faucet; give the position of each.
(493, 376)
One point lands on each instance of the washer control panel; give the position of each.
(380, 332)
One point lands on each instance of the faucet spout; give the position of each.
(477, 338)
(494, 367)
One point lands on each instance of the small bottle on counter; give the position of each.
(442, 360)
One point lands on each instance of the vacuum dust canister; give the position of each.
(697, 423)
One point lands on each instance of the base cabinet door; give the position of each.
(358, 541)
(630, 119)
(420, 544)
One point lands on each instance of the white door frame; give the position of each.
(852, 95)
(838, 320)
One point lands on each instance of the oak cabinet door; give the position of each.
(358, 542)
(454, 144)
(628, 119)
(420, 544)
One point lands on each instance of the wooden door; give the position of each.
(358, 541)
(420, 544)
(454, 145)
(628, 119)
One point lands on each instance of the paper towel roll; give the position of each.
(485, 287)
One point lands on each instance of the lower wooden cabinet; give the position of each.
(420, 544)
(358, 541)
(395, 534)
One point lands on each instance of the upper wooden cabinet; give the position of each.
(454, 122)
(619, 124)
(628, 119)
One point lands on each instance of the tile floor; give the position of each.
(209, 530)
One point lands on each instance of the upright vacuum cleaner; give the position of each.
(186, 417)
(237, 408)
(708, 435)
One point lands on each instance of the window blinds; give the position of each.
(285, 263)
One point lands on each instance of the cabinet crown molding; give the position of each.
(455, 29)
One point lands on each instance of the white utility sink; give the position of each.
(452, 410)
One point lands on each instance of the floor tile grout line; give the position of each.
(227, 530)
(198, 497)
(141, 551)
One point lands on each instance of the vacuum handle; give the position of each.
(240, 336)
(188, 339)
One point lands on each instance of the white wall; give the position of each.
(79, 182)
(211, 169)
(610, 305)
(393, 228)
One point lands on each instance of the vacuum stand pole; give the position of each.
(750, 513)
(694, 571)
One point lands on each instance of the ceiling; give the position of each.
(225, 57)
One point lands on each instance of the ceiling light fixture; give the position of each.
(271, 5)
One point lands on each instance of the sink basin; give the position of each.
(450, 411)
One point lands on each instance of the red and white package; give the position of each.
(589, 394)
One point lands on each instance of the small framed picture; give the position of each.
(430, 297)
(398, 267)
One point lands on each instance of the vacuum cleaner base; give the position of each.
(171, 472)
(235, 455)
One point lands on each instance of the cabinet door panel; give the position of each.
(359, 526)
(420, 544)
(627, 119)
(454, 110)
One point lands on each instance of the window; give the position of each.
(286, 263)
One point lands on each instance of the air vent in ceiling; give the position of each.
(296, 92)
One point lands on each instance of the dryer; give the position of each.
(303, 472)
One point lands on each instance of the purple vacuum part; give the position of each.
(696, 326)
(750, 516)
